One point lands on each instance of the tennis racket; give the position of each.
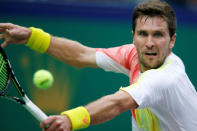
(6, 76)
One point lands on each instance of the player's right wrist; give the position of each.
(79, 117)
(38, 40)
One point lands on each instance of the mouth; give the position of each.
(151, 53)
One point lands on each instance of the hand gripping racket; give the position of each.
(6, 75)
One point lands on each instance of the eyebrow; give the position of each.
(156, 31)
(159, 31)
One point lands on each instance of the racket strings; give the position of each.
(3, 73)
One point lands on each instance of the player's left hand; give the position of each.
(57, 123)
(13, 34)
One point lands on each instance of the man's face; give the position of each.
(153, 42)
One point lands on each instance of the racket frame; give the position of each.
(24, 101)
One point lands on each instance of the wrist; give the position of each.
(38, 40)
(79, 117)
(67, 122)
(27, 35)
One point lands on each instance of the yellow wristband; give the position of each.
(39, 40)
(79, 117)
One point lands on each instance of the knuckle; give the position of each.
(44, 123)
(61, 129)
(7, 32)
(53, 117)
(58, 123)
(9, 24)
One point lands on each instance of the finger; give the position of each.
(5, 25)
(8, 32)
(11, 32)
(55, 125)
(1, 36)
(47, 121)
(2, 30)
(4, 44)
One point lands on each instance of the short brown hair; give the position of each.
(156, 8)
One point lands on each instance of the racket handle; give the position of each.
(34, 110)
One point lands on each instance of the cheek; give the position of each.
(138, 43)
(165, 49)
(138, 40)
(138, 47)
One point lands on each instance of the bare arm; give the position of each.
(100, 111)
(65, 50)
(72, 52)
(110, 106)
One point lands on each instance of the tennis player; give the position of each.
(160, 96)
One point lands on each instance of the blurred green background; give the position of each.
(94, 26)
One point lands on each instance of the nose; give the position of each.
(149, 42)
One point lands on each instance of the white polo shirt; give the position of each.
(168, 93)
(167, 99)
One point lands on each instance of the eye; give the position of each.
(158, 34)
(142, 33)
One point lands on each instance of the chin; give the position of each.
(150, 63)
(154, 66)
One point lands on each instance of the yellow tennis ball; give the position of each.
(43, 79)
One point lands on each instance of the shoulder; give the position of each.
(155, 78)
(165, 76)
(126, 48)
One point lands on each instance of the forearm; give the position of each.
(72, 52)
(103, 110)
(96, 112)
(109, 107)
(68, 51)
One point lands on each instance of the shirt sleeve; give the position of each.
(117, 59)
(148, 90)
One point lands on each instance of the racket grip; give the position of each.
(34, 110)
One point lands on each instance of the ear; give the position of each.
(133, 33)
(172, 42)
